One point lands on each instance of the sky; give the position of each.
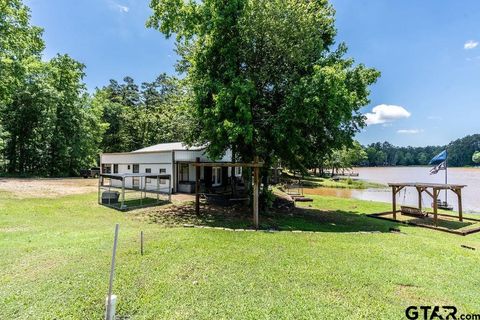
(427, 51)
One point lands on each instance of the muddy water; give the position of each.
(465, 176)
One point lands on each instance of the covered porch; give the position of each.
(214, 179)
(207, 191)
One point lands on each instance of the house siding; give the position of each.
(155, 161)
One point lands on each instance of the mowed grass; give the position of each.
(55, 259)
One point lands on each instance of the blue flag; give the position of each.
(439, 158)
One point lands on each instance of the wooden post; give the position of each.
(197, 187)
(141, 243)
(419, 190)
(460, 209)
(255, 194)
(435, 205)
(394, 202)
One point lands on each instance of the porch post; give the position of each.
(170, 189)
(141, 192)
(255, 194)
(419, 190)
(158, 189)
(123, 193)
(435, 205)
(394, 202)
(460, 209)
(100, 184)
(173, 186)
(197, 186)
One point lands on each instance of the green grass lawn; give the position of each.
(55, 256)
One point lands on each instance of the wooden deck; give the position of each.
(445, 222)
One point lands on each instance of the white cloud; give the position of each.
(475, 59)
(123, 8)
(470, 44)
(119, 7)
(384, 113)
(409, 131)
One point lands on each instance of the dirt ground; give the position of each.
(55, 187)
(47, 188)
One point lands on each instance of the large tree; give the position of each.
(20, 44)
(138, 116)
(20, 48)
(266, 79)
(48, 125)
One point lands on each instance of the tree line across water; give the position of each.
(461, 152)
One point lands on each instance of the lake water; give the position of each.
(464, 176)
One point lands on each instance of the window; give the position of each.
(216, 176)
(115, 168)
(238, 171)
(163, 171)
(106, 168)
(136, 180)
(148, 170)
(184, 172)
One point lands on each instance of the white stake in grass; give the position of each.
(112, 300)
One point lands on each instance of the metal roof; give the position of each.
(173, 146)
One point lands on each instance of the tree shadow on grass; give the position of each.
(238, 217)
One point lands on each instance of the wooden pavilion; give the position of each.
(418, 217)
(433, 190)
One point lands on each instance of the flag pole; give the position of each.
(446, 175)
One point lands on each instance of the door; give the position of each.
(216, 176)
(136, 180)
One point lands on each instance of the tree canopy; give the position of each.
(48, 126)
(265, 77)
(260, 77)
(138, 116)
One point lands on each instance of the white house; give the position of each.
(175, 159)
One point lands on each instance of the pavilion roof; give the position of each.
(427, 185)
